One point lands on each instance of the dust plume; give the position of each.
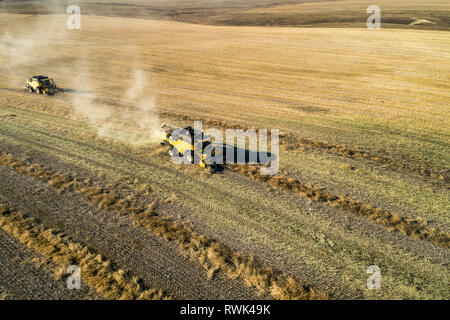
(133, 120)
(37, 44)
(24, 45)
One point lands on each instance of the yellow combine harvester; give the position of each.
(183, 143)
(42, 85)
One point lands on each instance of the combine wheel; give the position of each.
(190, 158)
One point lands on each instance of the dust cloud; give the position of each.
(135, 122)
(35, 44)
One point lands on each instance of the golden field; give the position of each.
(364, 162)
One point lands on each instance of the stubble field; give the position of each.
(364, 155)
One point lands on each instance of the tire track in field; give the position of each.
(98, 273)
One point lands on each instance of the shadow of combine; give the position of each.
(74, 91)
(230, 155)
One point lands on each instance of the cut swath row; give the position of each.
(393, 221)
(100, 274)
(213, 256)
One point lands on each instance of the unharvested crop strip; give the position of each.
(97, 272)
(291, 142)
(213, 256)
(392, 221)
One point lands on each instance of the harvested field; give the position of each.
(364, 157)
(30, 276)
(99, 274)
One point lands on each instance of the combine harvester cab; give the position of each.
(42, 85)
(182, 142)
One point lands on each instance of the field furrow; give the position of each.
(99, 274)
